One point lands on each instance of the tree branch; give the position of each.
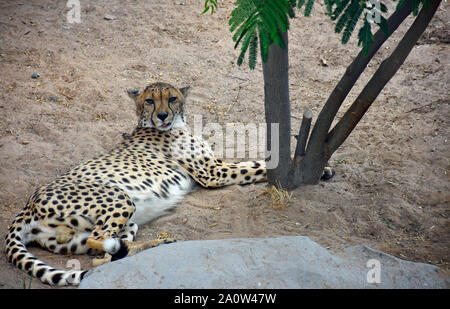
(381, 77)
(317, 153)
(350, 77)
(302, 137)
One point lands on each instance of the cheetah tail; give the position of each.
(17, 254)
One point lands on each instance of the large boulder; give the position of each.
(272, 263)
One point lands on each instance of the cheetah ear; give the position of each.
(133, 93)
(185, 91)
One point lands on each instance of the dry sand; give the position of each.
(391, 189)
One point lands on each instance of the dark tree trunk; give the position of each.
(278, 111)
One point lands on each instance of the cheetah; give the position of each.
(97, 206)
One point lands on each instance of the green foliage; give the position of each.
(351, 23)
(340, 6)
(259, 20)
(365, 35)
(415, 5)
(210, 5)
(329, 4)
(263, 21)
(252, 52)
(308, 7)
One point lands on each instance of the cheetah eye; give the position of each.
(172, 99)
(150, 101)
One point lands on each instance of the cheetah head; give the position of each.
(160, 105)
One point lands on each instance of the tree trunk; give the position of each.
(308, 165)
(278, 111)
(318, 151)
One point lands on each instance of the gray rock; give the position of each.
(268, 263)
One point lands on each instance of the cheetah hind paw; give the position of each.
(327, 173)
(129, 248)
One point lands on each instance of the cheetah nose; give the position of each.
(163, 116)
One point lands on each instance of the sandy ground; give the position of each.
(391, 190)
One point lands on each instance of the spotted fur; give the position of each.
(98, 205)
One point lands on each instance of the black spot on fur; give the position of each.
(40, 273)
(56, 278)
(73, 248)
(28, 265)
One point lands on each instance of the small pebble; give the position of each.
(35, 75)
(109, 17)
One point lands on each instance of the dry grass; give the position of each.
(279, 198)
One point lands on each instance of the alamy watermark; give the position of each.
(373, 8)
(374, 274)
(231, 141)
(74, 265)
(74, 14)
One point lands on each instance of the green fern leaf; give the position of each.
(282, 44)
(244, 9)
(264, 41)
(339, 9)
(234, 23)
(278, 15)
(247, 26)
(282, 5)
(329, 4)
(211, 6)
(240, 59)
(400, 4)
(291, 12)
(365, 37)
(249, 35)
(426, 4)
(351, 24)
(383, 7)
(300, 3)
(272, 27)
(346, 16)
(384, 26)
(252, 52)
(308, 7)
(415, 7)
(271, 17)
